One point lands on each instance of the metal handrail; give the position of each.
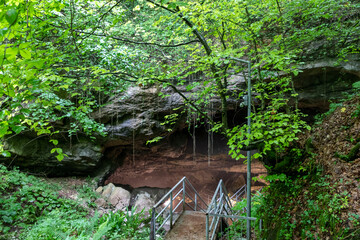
(196, 199)
(220, 204)
(239, 193)
(220, 207)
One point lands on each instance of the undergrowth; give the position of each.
(339, 103)
(307, 206)
(32, 209)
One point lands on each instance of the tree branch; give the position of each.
(155, 44)
(204, 43)
(141, 43)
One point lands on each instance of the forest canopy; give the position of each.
(61, 60)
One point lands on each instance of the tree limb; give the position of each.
(141, 43)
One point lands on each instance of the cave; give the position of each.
(319, 86)
(161, 165)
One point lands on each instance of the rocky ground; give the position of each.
(335, 138)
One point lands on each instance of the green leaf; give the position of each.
(6, 153)
(356, 85)
(60, 157)
(11, 92)
(3, 32)
(17, 129)
(54, 141)
(181, 3)
(25, 53)
(24, 45)
(11, 53)
(11, 16)
(172, 5)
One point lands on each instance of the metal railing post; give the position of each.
(207, 226)
(184, 193)
(248, 178)
(248, 153)
(152, 225)
(171, 210)
(195, 201)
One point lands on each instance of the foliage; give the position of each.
(63, 59)
(32, 209)
(316, 208)
(61, 225)
(238, 229)
(24, 199)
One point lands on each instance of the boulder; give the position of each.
(99, 190)
(100, 202)
(144, 201)
(120, 198)
(108, 189)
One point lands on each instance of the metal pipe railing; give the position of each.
(188, 193)
(239, 193)
(219, 208)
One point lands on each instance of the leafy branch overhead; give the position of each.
(62, 60)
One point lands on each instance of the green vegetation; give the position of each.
(303, 207)
(60, 61)
(30, 208)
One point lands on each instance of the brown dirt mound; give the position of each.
(336, 136)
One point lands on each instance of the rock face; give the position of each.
(324, 80)
(135, 116)
(138, 113)
(34, 154)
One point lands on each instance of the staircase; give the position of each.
(190, 225)
(183, 214)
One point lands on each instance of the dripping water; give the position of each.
(210, 134)
(133, 139)
(194, 138)
(209, 141)
(99, 98)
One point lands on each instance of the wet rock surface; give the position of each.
(33, 154)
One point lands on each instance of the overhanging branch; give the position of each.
(140, 43)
